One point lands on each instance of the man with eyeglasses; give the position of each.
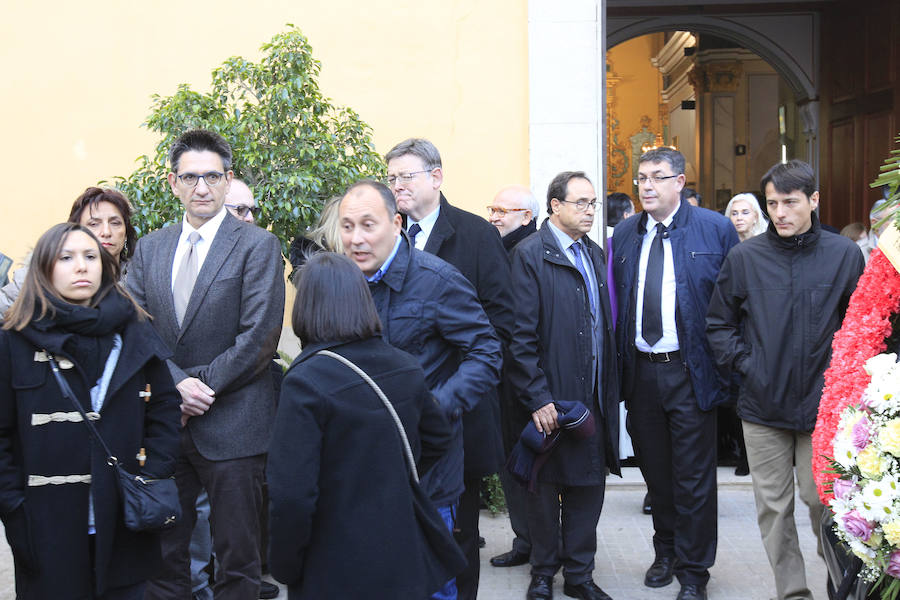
(240, 202)
(563, 352)
(215, 288)
(514, 213)
(472, 245)
(665, 265)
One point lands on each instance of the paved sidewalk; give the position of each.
(624, 549)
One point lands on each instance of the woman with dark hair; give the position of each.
(58, 496)
(107, 213)
(341, 518)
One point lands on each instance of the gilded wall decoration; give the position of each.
(617, 159)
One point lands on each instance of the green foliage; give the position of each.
(890, 175)
(492, 494)
(291, 145)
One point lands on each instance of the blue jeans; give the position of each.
(448, 591)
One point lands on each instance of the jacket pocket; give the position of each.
(408, 327)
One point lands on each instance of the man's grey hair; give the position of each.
(425, 150)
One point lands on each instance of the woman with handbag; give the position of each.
(343, 519)
(59, 496)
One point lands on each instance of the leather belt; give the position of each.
(660, 357)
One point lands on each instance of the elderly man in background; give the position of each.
(514, 213)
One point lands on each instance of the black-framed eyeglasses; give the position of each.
(582, 205)
(502, 211)
(242, 210)
(653, 179)
(405, 177)
(211, 178)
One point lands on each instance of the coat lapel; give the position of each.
(441, 231)
(162, 278)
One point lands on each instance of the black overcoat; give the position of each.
(474, 247)
(47, 525)
(551, 352)
(341, 517)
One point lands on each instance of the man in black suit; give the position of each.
(473, 246)
(215, 288)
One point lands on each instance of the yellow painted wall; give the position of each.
(637, 93)
(76, 80)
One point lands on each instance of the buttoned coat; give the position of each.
(552, 350)
(342, 521)
(48, 524)
(700, 240)
(474, 247)
(229, 333)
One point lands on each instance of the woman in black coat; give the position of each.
(341, 516)
(59, 499)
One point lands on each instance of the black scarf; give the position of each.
(517, 235)
(82, 332)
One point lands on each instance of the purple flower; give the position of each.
(857, 526)
(893, 568)
(861, 434)
(843, 488)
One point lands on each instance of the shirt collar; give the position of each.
(562, 238)
(207, 231)
(667, 222)
(377, 275)
(427, 222)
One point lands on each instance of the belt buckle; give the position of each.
(655, 357)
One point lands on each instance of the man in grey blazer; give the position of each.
(215, 288)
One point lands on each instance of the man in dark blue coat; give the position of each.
(472, 245)
(666, 262)
(563, 350)
(430, 310)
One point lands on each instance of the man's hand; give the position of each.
(196, 396)
(545, 418)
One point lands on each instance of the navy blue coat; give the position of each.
(342, 523)
(54, 527)
(473, 246)
(551, 352)
(701, 238)
(428, 309)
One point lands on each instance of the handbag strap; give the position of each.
(67, 393)
(387, 404)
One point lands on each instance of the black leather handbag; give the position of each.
(147, 504)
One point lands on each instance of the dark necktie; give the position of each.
(579, 264)
(651, 321)
(413, 231)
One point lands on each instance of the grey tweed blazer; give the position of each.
(230, 330)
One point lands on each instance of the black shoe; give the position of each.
(481, 542)
(692, 591)
(660, 572)
(512, 558)
(646, 508)
(541, 588)
(267, 590)
(587, 591)
(742, 470)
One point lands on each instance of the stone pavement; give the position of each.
(625, 550)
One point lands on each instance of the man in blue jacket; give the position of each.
(428, 309)
(666, 261)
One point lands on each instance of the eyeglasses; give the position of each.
(242, 210)
(405, 177)
(653, 179)
(212, 178)
(582, 205)
(492, 210)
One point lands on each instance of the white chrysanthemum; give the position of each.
(876, 500)
(880, 364)
(883, 391)
(861, 550)
(844, 452)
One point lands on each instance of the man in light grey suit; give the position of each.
(215, 288)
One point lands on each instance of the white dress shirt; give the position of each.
(669, 341)
(427, 224)
(207, 233)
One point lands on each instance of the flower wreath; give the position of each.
(869, 322)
